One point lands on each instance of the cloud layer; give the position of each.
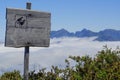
(59, 50)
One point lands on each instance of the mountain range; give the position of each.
(104, 35)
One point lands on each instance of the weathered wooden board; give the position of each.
(27, 28)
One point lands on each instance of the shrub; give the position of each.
(15, 75)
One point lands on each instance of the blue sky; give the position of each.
(73, 15)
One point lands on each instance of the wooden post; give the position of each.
(28, 5)
(26, 63)
(26, 54)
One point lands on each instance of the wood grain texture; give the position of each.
(27, 28)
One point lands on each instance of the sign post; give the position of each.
(26, 54)
(27, 28)
(26, 63)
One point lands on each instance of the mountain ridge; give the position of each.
(103, 35)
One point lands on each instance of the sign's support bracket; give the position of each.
(26, 54)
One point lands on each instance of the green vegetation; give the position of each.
(15, 75)
(104, 66)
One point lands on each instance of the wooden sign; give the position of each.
(27, 28)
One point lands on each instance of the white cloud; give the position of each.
(59, 50)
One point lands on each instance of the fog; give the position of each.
(59, 50)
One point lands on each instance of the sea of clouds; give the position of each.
(59, 50)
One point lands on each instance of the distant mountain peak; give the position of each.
(63, 30)
(84, 29)
(61, 33)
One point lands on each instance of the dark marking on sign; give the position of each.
(20, 21)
